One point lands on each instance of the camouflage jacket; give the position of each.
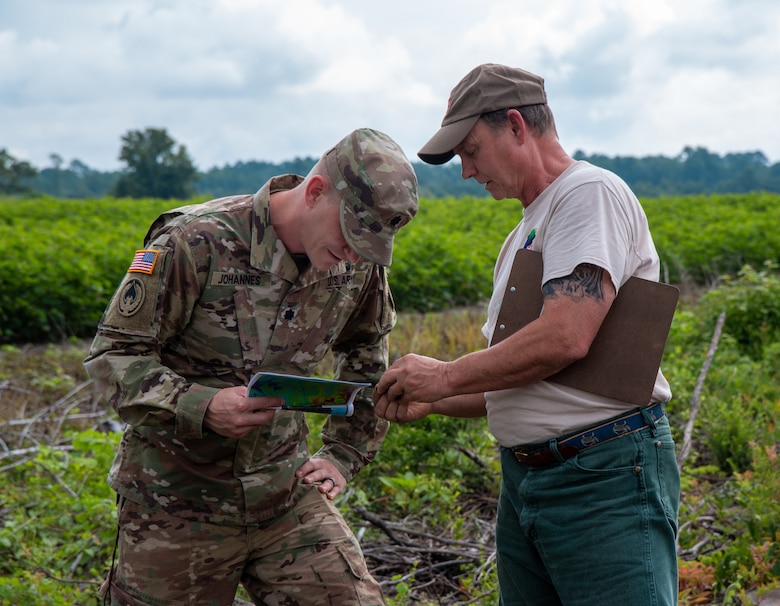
(214, 298)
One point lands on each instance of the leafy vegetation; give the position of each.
(438, 477)
(62, 259)
(700, 238)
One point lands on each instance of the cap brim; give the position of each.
(369, 245)
(439, 148)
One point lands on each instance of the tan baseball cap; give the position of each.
(486, 88)
(378, 189)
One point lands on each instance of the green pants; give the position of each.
(598, 528)
(307, 557)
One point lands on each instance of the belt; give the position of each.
(538, 455)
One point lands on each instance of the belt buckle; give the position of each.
(535, 457)
(521, 454)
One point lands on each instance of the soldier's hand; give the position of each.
(322, 471)
(231, 414)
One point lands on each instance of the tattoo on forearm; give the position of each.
(586, 281)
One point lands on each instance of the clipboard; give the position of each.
(625, 356)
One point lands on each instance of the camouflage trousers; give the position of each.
(307, 557)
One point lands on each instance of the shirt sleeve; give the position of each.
(361, 354)
(590, 224)
(152, 304)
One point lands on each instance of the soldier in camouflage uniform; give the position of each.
(216, 489)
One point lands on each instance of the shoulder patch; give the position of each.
(131, 297)
(143, 262)
(134, 306)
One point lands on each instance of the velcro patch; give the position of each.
(131, 297)
(344, 280)
(143, 262)
(133, 307)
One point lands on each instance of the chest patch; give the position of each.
(224, 278)
(340, 281)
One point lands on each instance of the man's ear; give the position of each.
(517, 124)
(316, 187)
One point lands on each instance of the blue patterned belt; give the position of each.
(616, 427)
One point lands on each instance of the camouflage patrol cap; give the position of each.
(486, 88)
(378, 189)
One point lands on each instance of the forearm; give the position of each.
(465, 406)
(141, 390)
(560, 336)
(511, 363)
(350, 443)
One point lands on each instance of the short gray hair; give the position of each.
(539, 118)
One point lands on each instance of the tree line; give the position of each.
(156, 167)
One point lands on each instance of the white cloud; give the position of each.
(261, 79)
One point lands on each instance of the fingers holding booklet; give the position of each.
(307, 394)
(232, 415)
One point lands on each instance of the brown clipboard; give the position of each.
(625, 356)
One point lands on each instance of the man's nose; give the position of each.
(467, 170)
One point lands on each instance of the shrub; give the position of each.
(751, 301)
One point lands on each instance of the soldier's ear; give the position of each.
(316, 186)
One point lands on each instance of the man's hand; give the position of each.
(394, 411)
(322, 471)
(406, 390)
(413, 379)
(231, 414)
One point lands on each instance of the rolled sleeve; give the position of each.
(191, 410)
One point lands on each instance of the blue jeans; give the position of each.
(598, 528)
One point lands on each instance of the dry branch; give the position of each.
(432, 564)
(21, 438)
(696, 397)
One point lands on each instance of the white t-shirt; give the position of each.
(587, 215)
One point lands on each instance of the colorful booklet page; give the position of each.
(307, 394)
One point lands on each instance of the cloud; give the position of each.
(260, 79)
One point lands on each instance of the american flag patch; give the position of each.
(143, 262)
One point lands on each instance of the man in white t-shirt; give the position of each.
(590, 486)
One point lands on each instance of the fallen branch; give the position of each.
(382, 525)
(432, 564)
(696, 397)
(58, 479)
(69, 581)
(76, 416)
(429, 568)
(22, 452)
(475, 458)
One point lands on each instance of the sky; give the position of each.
(273, 80)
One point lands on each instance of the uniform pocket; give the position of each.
(353, 558)
(253, 331)
(123, 594)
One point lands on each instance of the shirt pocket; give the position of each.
(308, 325)
(254, 324)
